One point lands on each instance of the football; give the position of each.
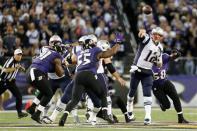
(147, 9)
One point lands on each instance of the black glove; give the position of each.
(176, 53)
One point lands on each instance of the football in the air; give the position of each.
(147, 9)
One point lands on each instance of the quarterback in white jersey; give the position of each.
(149, 53)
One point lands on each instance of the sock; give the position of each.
(180, 115)
(109, 105)
(36, 101)
(130, 104)
(147, 106)
(40, 108)
(94, 113)
(59, 108)
(90, 105)
(66, 112)
(93, 117)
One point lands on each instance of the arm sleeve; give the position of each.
(165, 58)
(111, 68)
(96, 52)
(145, 39)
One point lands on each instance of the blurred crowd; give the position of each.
(28, 24)
(178, 19)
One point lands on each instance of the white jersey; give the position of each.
(100, 67)
(147, 53)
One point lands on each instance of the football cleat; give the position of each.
(115, 119)
(36, 117)
(47, 120)
(129, 118)
(22, 114)
(107, 117)
(93, 123)
(147, 121)
(63, 119)
(183, 121)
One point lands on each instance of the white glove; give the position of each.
(134, 68)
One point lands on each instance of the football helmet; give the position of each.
(103, 45)
(55, 42)
(90, 42)
(158, 30)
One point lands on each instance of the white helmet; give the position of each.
(158, 30)
(93, 38)
(54, 38)
(82, 39)
(103, 45)
(55, 42)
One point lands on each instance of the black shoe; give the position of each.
(31, 110)
(183, 121)
(22, 114)
(36, 117)
(129, 118)
(115, 119)
(107, 117)
(162, 107)
(100, 114)
(63, 119)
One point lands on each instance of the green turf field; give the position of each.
(161, 121)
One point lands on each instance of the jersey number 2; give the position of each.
(150, 58)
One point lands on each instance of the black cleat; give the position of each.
(129, 118)
(36, 117)
(107, 117)
(115, 119)
(22, 114)
(100, 114)
(162, 107)
(63, 119)
(183, 121)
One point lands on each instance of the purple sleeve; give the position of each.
(97, 50)
(165, 58)
(57, 55)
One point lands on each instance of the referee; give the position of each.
(7, 79)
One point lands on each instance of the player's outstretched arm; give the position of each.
(113, 71)
(108, 53)
(58, 67)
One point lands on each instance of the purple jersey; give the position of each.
(87, 59)
(160, 73)
(44, 62)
